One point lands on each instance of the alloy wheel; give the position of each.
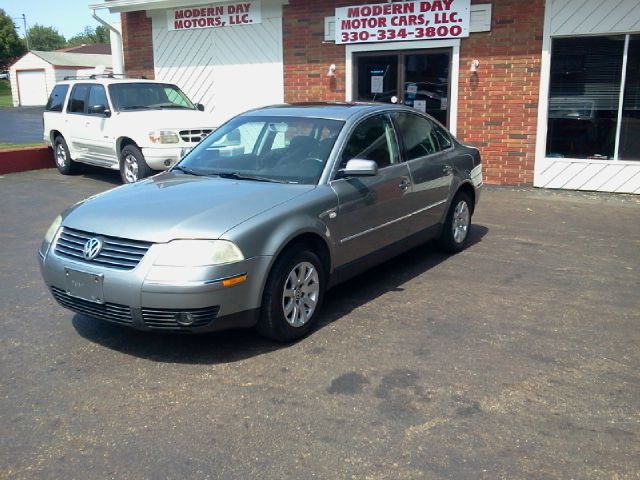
(301, 294)
(461, 221)
(130, 168)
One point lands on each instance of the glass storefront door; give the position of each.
(419, 79)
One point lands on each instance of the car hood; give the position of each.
(170, 119)
(177, 206)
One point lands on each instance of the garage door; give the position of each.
(32, 87)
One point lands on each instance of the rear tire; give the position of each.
(61, 154)
(293, 296)
(455, 232)
(132, 165)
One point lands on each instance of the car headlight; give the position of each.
(198, 253)
(164, 136)
(51, 232)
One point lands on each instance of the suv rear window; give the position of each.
(56, 99)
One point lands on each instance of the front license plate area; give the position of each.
(86, 286)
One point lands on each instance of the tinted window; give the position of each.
(444, 140)
(56, 99)
(97, 96)
(418, 135)
(373, 139)
(78, 98)
(148, 96)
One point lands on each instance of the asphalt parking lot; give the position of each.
(518, 358)
(21, 125)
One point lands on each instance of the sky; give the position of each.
(69, 17)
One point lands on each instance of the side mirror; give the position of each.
(357, 167)
(200, 107)
(100, 110)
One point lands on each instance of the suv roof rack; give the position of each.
(102, 75)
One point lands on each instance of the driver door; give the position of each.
(372, 211)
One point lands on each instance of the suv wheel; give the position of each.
(65, 165)
(132, 165)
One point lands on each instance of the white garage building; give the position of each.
(35, 74)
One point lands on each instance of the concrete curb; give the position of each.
(23, 159)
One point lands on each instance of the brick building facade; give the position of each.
(507, 107)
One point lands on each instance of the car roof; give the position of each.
(329, 110)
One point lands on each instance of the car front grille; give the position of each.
(194, 136)
(118, 253)
(111, 312)
(165, 319)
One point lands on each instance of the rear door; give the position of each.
(76, 121)
(427, 150)
(372, 211)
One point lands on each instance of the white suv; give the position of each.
(132, 125)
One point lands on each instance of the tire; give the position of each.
(132, 165)
(62, 157)
(288, 311)
(455, 232)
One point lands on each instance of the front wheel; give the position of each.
(293, 295)
(65, 165)
(132, 165)
(455, 232)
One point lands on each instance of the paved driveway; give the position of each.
(21, 125)
(518, 358)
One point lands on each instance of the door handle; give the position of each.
(447, 169)
(404, 184)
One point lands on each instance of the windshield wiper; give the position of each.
(187, 170)
(239, 176)
(162, 107)
(136, 107)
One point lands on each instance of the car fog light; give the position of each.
(185, 318)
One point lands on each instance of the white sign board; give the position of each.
(214, 15)
(400, 21)
(377, 84)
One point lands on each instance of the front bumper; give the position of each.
(133, 298)
(162, 158)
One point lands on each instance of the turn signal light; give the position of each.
(229, 282)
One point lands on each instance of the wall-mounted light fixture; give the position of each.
(332, 70)
(473, 65)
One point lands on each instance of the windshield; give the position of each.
(148, 96)
(275, 149)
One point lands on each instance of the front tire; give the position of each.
(61, 154)
(455, 232)
(132, 165)
(293, 296)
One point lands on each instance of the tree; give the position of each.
(90, 36)
(45, 38)
(11, 46)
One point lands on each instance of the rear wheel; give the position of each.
(293, 296)
(455, 232)
(65, 165)
(132, 165)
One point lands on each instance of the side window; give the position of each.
(417, 134)
(373, 139)
(444, 139)
(97, 96)
(56, 99)
(78, 98)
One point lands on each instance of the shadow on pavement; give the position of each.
(236, 345)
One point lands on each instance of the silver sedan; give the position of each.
(269, 211)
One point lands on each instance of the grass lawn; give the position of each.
(4, 146)
(5, 94)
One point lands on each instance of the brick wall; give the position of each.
(137, 44)
(497, 106)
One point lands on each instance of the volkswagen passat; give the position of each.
(265, 214)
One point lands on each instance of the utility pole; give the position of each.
(26, 33)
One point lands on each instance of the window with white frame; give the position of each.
(594, 98)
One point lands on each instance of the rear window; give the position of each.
(56, 99)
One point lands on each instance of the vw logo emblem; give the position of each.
(92, 248)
